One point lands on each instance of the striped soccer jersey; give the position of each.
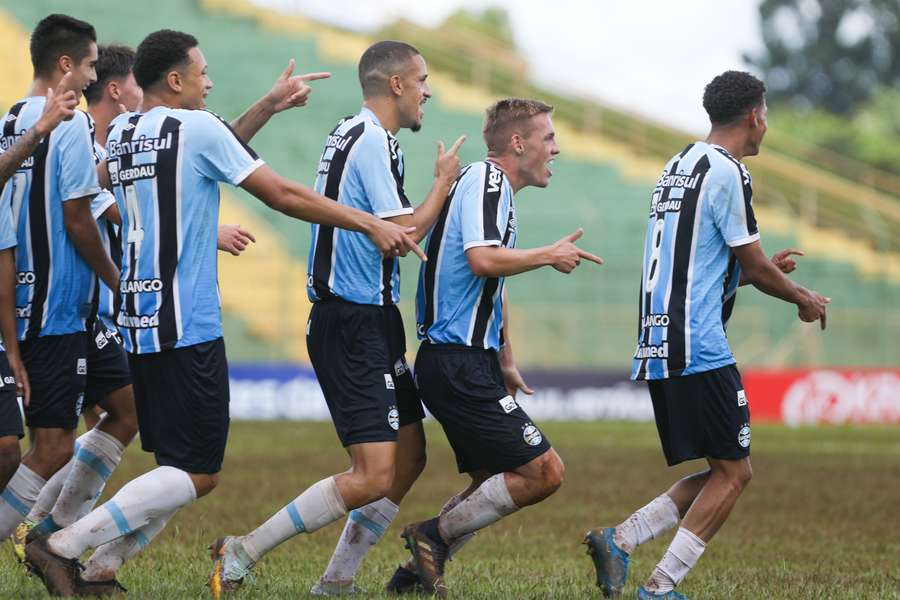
(700, 210)
(164, 168)
(362, 167)
(54, 284)
(104, 298)
(7, 233)
(453, 305)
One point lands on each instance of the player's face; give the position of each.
(416, 92)
(84, 73)
(758, 131)
(130, 93)
(195, 83)
(538, 151)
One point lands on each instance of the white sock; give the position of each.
(161, 491)
(109, 558)
(488, 504)
(97, 456)
(49, 493)
(646, 523)
(459, 542)
(318, 506)
(365, 526)
(682, 555)
(17, 499)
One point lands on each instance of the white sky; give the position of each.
(652, 57)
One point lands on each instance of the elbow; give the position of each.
(481, 268)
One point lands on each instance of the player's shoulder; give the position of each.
(723, 167)
(80, 122)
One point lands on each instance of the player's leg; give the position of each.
(186, 427)
(11, 430)
(707, 417)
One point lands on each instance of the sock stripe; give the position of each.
(47, 525)
(119, 518)
(14, 502)
(141, 539)
(368, 523)
(94, 462)
(295, 518)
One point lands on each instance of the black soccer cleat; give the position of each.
(404, 581)
(99, 589)
(429, 554)
(58, 573)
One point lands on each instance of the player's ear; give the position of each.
(113, 88)
(173, 79)
(517, 144)
(395, 84)
(65, 63)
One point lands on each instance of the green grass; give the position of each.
(821, 518)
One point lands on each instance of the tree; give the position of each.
(830, 54)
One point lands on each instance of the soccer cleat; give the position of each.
(429, 553)
(58, 573)
(227, 574)
(643, 594)
(335, 588)
(19, 537)
(610, 561)
(404, 581)
(99, 589)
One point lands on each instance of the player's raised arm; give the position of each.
(301, 202)
(59, 107)
(287, 92)
(497, 261)
(766, 276)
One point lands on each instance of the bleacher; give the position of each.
(602, 183)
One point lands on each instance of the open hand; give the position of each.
(234, 239)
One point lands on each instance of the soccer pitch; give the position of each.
(821, 518)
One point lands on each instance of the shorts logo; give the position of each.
(101, 341)
(10, 380)
(532, 435)
(388, 381)
(81, 367)
(508, 404)
(742, 398)
(394, 418)
(744, 436)
(79, 404)
(400, 367)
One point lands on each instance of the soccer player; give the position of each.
(58, 247)
(465, 368)
(355, 334)
(702, 242)
(14, 150)
(164, 166)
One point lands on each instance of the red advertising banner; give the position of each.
(811, 396)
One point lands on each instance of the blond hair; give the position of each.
(504, 115)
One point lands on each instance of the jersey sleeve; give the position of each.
(732, 207)
(222, 155)
(101, 202)
(77, 169)
(484, 211)
(378, 165)
(7, 229)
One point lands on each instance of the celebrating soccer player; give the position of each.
(58, 247)
(465, 369)
(355, 335)
(702, 242)
(164, 165)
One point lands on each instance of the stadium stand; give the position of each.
(851, 231)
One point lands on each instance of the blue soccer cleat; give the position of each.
(643, 594)
(610, 561)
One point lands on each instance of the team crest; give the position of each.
(394, 418)
(532, 435)
(744, 436)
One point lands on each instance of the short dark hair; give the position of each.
(381, 61)
(113, 62)
(159, 53)
(59, 35)
(502, 115)
(731, 95)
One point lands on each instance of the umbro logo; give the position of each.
(741, 398)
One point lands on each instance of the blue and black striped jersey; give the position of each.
(700, 209)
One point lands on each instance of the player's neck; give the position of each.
(40, 85)
(732, 140)
(505, 164)
(386, 113)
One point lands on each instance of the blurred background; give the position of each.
(627, 82)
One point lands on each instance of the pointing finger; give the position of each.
(290, 69)
(63, 85)
(457, 144)
(822, 320)
(419, 252)
(440, 148)
(315, 76)
(591, 257)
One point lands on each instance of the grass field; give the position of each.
(821, 518)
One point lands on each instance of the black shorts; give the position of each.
(182, 405)
(107, 364)
(704, 415)
(357, 353)
(57, 371)
(10, 415)
(463, 388)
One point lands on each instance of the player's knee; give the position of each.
(204, 483)
(380, 482)
(51, 457)
(553, 474)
